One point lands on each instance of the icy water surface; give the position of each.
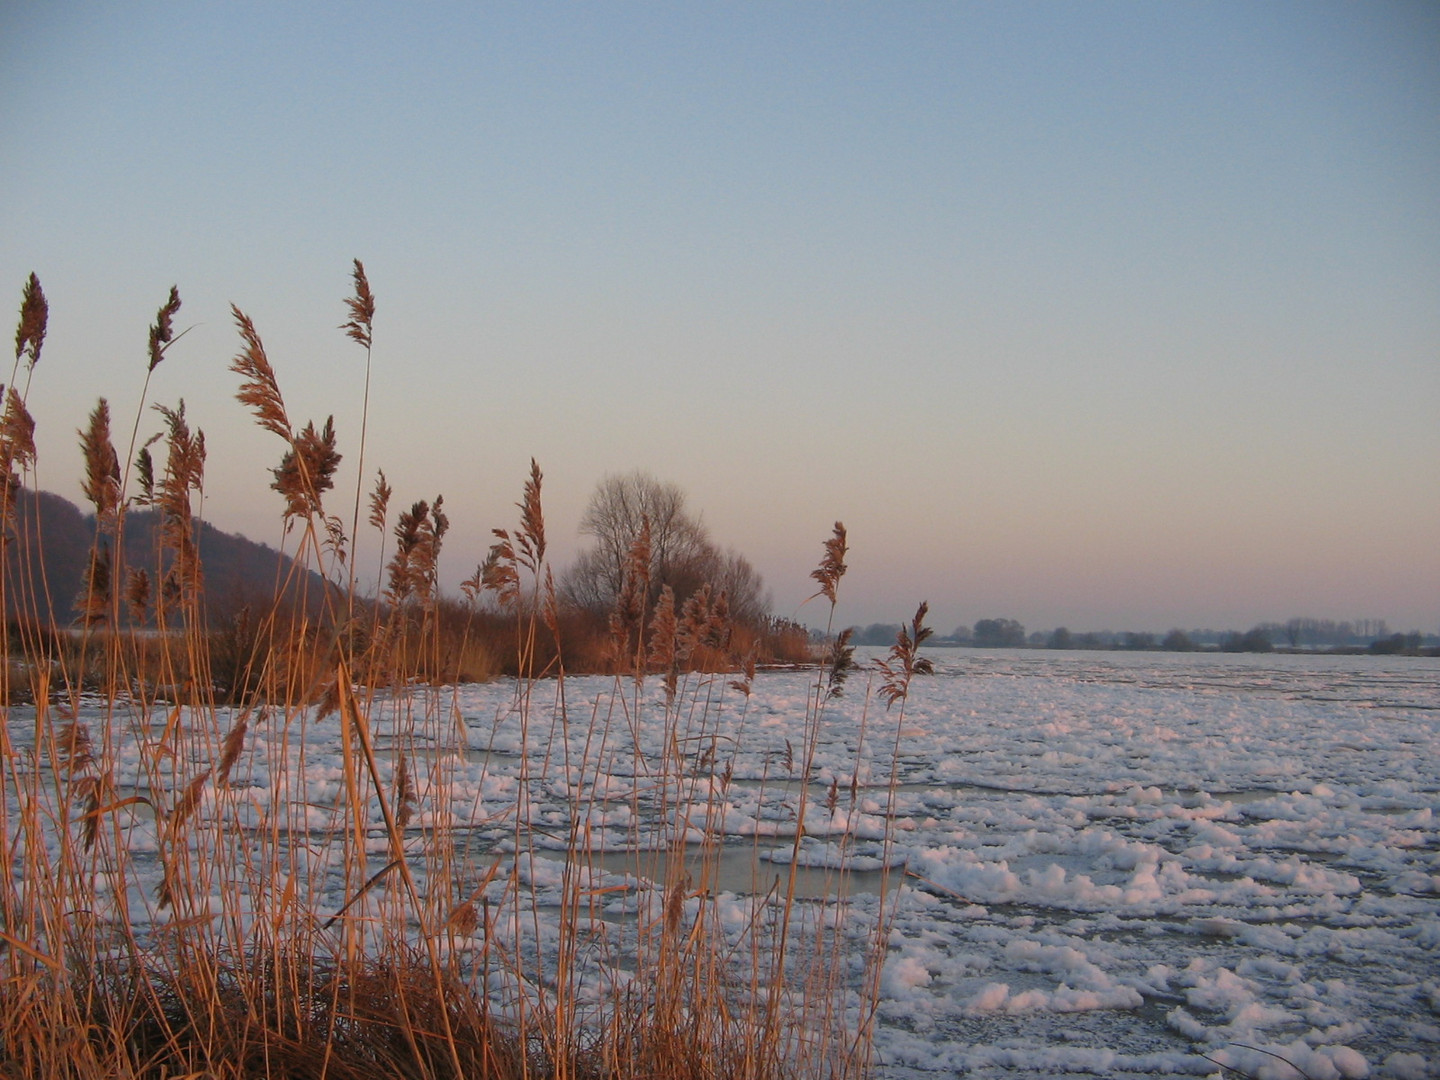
(1112, 864)
(1161, 856)
(1095, 864)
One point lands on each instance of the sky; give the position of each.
(1113, 315)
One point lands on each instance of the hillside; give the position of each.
(237, 570)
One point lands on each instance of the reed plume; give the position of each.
(184, 473)
(380, 501)
(188, 801)
(93, 604)
(407, 539)
(665, 642)
(17, 428)
(184, 463)
(73, 757)
(472, 586)
(404, 792)
(90, 788)
(718, 625)
(531, 536)
(524, 547)
(746, 682)
(439, 525)
(161, 331)
(839, 662)
(307, 470)
(379, 512)
(498, 573)
(74, 749)
(359, 327)
(418, 535)
(34, 316)
(694, 620)
(145, 474)
(260, 391)
(626, 618)
(832, 564)
(17, 449)
(550, 605)
(17, 432)
(905, 660)
(137, 595)
(102, 465)
(464, 920)
(230, 750)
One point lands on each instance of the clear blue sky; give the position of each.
(1110, 315)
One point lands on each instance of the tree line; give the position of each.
(1370, 635)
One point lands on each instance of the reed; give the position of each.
(251, 852)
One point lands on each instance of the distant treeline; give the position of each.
(1371, 635)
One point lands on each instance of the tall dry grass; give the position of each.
(180, 896)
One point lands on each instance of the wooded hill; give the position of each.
(48, 549)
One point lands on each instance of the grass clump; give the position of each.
(182, 893)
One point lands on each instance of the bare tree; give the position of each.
(613, 518)
(682, 555)
(742, 583)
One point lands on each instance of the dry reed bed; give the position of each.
(290, 886)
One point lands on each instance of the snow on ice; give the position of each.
(1094, 864)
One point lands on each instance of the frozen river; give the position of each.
(1115, 863)
(1163, 855)
(1103, 864)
